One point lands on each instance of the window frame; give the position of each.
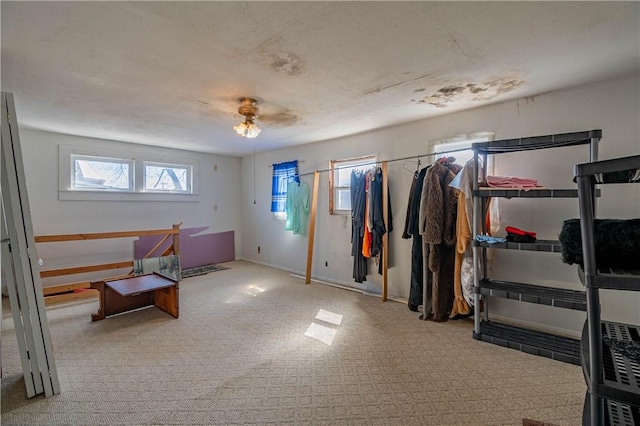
(99, 159)
(189, 178)
(334, 166)
(138, 158)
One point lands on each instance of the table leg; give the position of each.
(166, 299)
(100, 286)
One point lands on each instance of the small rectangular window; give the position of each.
(460, 145)
(462, 154)
(340, 181)
(101, 174)
(160, 177)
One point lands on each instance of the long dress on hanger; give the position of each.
(368, 224)
(405, 232)
(297, 206)
(378, 228)
(413, 230)
(438, 208)
(376, 215)
(358, 200)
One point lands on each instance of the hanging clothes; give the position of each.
(438, 208)
(367, 219)
(376, 215)
(297, 207)
(367, 237)
(358, 222)
(463, 278)
(413, 230)
(405, 232)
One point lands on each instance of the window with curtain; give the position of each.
(283, 173)
(340, 181)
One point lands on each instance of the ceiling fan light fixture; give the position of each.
(241, 128)
(248, 128)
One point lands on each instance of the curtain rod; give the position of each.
(271, 165)
(389, 161)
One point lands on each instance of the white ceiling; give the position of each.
(170, 73)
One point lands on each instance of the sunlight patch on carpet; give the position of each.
(321, 333)
(329, 317)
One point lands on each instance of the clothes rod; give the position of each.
(390, 161)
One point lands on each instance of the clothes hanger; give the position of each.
(404, 165)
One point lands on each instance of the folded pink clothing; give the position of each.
(512, 182)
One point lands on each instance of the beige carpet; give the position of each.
(238, 354)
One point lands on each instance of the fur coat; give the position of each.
(438, 208)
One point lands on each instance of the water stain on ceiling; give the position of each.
(287, 63)
(281, 117)
(469, 92)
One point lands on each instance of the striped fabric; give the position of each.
(283, 173)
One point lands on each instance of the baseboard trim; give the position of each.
(323, 280)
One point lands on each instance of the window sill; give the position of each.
(125, 196)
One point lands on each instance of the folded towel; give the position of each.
(511, 182)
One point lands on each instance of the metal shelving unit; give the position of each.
(542, 295)
(610, 351)
(531, 193)
(531, 341)
(552, 246)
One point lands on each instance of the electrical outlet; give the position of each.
(258, 249)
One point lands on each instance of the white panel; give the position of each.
(27, 271)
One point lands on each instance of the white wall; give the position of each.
(612, 106)
(53, 216)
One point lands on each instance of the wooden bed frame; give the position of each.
(70, 291)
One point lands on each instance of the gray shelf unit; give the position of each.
(625, 279)
(542, 295)
(616, 413)
(552, 246)
(612, 374)
(531, 341)
(521, 193)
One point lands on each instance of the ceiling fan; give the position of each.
(248, 128)
(268, 113)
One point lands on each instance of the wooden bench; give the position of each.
(131, 293)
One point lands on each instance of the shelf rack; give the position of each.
(552, 246)
(542, 295)
(531, 341)
(534, 342)
(611, 369)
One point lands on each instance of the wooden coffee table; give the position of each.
(137, 292)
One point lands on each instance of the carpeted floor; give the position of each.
(242, 353)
